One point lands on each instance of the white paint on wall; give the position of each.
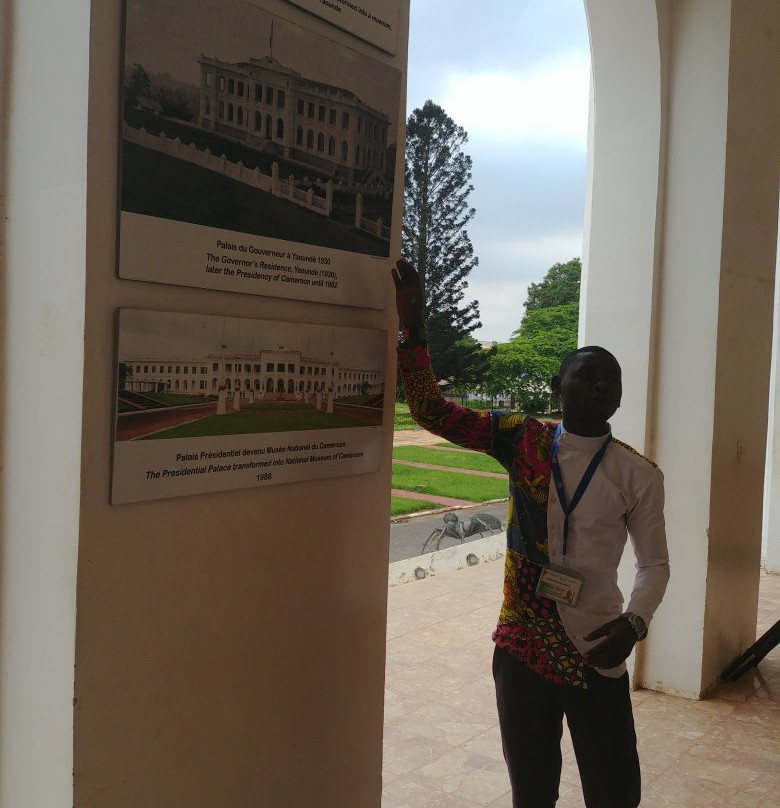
(44, 83)
(770, 537)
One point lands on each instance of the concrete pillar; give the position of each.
(689, 306)
(45, 50)
(188, 691)
(770, 549)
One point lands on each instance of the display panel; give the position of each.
(257, 156)
(207, 403)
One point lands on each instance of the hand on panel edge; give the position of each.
(408, 295)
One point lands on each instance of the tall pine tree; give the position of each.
(436, 211)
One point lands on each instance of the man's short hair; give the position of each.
(569, 358)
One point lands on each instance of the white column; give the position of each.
(624, 190)
(45, 64)
(683, 288)
(620, 252)
(770, 549)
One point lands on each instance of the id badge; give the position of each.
(560, 584)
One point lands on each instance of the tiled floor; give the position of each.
(442, 745)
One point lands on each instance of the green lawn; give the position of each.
(247, 422)
(264, 406)
(474, 461)
(402, 418)
(400, 506)
(448, 484)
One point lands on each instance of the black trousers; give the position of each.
(601, 723)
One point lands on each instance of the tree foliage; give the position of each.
(560, 285)
(437, 185)
(464, 359)
(137, 85)
(523, 367)
(125, 374)
(176, 99)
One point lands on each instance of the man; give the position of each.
(575, 495)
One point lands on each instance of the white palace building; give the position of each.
(277, 374)
(267, 105)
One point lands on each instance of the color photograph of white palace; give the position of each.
(270, 375)
(188, 375)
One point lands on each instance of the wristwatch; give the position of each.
(637, 624)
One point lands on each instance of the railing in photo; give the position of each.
(254, 177)
(287, 188)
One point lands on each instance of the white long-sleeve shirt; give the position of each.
(624, 499)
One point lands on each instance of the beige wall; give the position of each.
(229, 648)
(44, 51)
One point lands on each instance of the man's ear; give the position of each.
(555, 385)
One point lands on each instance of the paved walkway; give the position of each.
(442, 747)
(132, 425)
(414, 437)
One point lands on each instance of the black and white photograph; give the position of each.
(244, 132)
(207, 403)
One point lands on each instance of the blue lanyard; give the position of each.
(567, 506)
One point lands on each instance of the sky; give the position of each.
(515, 75)
(194, 336)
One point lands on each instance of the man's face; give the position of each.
(590, 388)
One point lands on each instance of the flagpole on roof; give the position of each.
(271, 40)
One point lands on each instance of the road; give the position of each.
(408, 533)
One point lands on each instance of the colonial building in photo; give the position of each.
(268, 105)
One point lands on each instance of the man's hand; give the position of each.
(618, 643)
(408, 294)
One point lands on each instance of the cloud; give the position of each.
(500, 307)
(499, 35)
(530, 258)
(539, 106)
(515, 74)
(507, 267)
